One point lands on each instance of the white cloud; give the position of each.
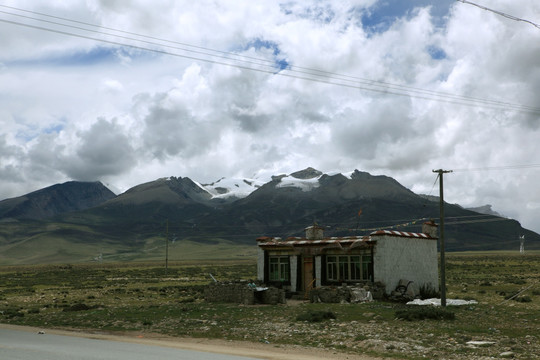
(79, 109)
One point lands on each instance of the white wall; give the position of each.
(318, 271)
(260, 264)
(412, 259)
(293, 261)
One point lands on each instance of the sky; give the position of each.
(128, 92)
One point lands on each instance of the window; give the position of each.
(348, 267)
(279, 268)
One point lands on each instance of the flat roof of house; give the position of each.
(298, 241)
(401, 234)
(349, 241)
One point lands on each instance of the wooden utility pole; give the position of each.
(167, 248)
(441, 234)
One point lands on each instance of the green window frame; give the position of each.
(331, 268)
(279, 268)
(348, 267)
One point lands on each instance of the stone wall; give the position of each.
(346, 293)
(240, 293)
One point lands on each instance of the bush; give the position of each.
(315, 316)
(513, 296)
(77, 307)
(12, 313)
(425, 312)
(428, 292)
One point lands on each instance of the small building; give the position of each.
(299, 264)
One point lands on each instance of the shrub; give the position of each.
(315, 316)
(515, 280)
(77, 307)
(12, 313)
(428, 292)
(425, 312)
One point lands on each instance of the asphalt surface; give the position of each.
(24, 345)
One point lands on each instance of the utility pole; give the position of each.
(441, 234)
(167, 248)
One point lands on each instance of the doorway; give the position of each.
(308, 273)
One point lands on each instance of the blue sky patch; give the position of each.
(95, 56)
(380, 17)
(436, 52)
(54, 129)
(323, 14)
(258, 44)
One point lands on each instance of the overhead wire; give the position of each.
(227, 55)
(270, 65)
(504, 167)
(508, 16)
(265, 66)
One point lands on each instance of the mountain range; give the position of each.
(77, 219)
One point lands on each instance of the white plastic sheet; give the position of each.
(437, 302)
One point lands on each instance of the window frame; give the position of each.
(283, 265)
(348, 268)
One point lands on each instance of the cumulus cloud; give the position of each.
(104, 150)
(80, 109)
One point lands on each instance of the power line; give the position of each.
(264, 65)
(505, 167)
(393, 223)
(508, 16)
(291, 67)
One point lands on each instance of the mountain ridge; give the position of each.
(55, 199)
(353, 203)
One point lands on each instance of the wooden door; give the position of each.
(307, 274)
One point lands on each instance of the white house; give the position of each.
(299, 264)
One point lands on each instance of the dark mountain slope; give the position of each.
(138, 219)
(143, 210)
(55, 199)
(173, 190)
(357, 205)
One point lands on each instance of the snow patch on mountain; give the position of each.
(303, 184)
(348, 175)
(226, 188)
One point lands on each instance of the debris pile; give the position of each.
(346, 294)
(242, 292)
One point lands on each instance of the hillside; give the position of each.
(134, 224)
(54, 200)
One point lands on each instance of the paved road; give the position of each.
(23, 345)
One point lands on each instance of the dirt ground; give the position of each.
(237, 348)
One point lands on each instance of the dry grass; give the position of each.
(142, 298)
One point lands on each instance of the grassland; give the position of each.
(143, 298)
(63, 243)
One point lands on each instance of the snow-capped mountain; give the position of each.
(226, 188)
(306, 180)
(240, 210)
